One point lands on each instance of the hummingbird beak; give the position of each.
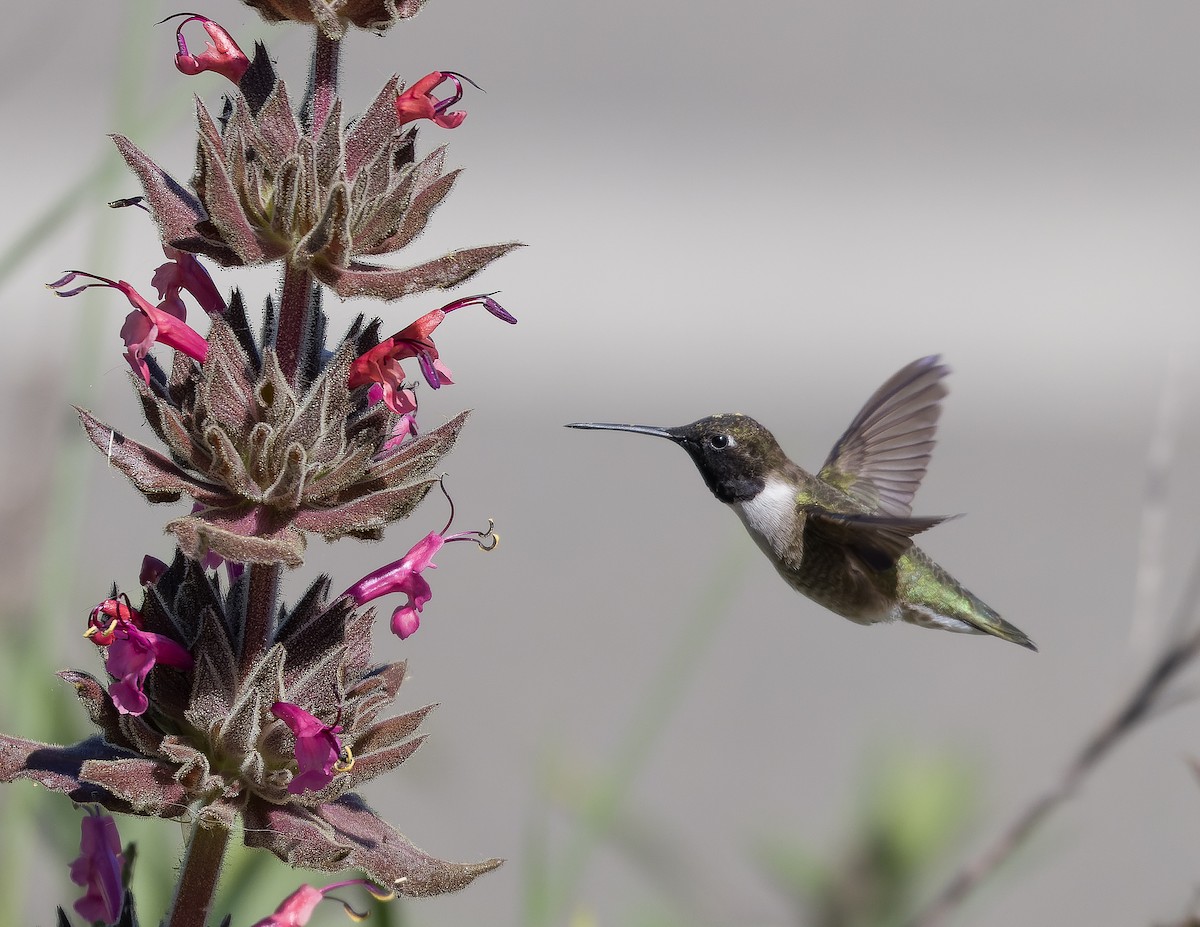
(636, 429)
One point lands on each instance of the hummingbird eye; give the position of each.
(720, 442)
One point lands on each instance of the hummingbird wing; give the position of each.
(882, 456)
(874, 541)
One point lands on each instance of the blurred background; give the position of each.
(758, 207)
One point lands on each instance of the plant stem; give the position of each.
(296, 291)
(260, 613)
(295, 310)
(322, 90)
(198, 875)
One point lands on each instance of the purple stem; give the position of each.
(295, 305)
(323, 90)
(260, 614)
(198, 875)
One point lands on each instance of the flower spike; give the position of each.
(144, 326)
(221, 54)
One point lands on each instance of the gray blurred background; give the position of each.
(760, 207)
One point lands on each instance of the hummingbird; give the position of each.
(844, 537)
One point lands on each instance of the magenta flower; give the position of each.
(185, 272)
(320, 755)
(298, 907)
(418, 101)
(145, 325)
(221, 54)
(381, 367)
(99, 868)
(403, 576)
(404, 429)
(132, 653)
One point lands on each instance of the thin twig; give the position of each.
(1152, 538)
(1145, 701)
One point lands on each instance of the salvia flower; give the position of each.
(320, 755)
(146, 325)
(265, 190)
(99, 869)
(185, 272)
(418, 101)
(404, 577)
(381, 367)
(298, 907)
(404, 430)
(221, 54)
(132, 654)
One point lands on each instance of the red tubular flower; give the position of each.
(298, 907)
(185, 272)
(320, 755)
(418, 101)
(381, 364)
(99, 868)
(403, 576)
(144, 326)
(221, 54)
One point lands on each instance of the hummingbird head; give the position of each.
(733, 452)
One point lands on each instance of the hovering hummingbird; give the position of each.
(844, 536)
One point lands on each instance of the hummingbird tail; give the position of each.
(998, 627)
(982, 617)
(933, 598)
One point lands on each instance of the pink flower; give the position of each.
(132, 652)
(320, 755)
(298, 907)
(403, 576)
(381, 365)
(221, 54)
(144, 326)
(185, 272)
(405, 428)
(418, 101)
(99, 868)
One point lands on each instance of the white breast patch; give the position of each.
(769, 516)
